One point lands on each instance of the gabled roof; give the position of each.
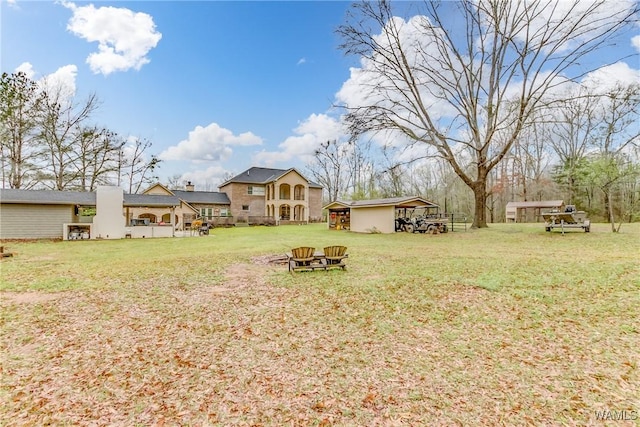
(203, 197)
(190, 197)
(398, 202)
(47, 197)
(157, 185)
(256, 175)
(337, 204)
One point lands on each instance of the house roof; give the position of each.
(203, 197)
(150, 200)
(54, 197)
(536, 204)
(47, 197)
(256, 175)
(398, 202)
(157, 185)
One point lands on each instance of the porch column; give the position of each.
(171, 221)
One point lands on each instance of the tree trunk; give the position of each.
(480, 198)
(610, 210)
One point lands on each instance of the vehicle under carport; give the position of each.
(376, 215)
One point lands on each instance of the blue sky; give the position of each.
(230, 68)
(217, 87)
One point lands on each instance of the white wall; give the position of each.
(109, 222)
(382, 218)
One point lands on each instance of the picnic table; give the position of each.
(307, 258)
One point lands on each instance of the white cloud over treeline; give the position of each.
(62, 81)
(310, 133)
(210, 143)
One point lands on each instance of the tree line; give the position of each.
(486, 102)
(49, 142)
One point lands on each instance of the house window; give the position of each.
(224, 212)
(298, 192)
(206, 213)
(245, 207)
(255, 190)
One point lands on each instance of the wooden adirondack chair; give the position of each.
(302, 256)
(334, 256)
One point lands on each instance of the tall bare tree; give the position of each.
(96, 156)
(465, 77)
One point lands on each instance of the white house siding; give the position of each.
(23, 221)
(382, 218)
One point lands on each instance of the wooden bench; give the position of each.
(306, 258)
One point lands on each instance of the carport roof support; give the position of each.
(398, 202)
(536, 204)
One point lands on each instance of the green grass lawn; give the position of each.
(509, 325)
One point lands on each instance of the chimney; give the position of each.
(190, 186)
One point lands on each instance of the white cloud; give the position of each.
(212, 143)
(606, 78)
(301, 61)
(314, 130)
(635, 42)
(573, 23)
(124, 37)
(27, 69)
(61, 83)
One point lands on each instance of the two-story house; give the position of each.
(256, 196)
(284, 195)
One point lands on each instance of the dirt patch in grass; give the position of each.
(29, 297)
(274, 259)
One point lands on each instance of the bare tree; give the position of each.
(96, 156)
(20, 101)
(618, 116)
(570, 125)
(530, 161)
(60, 123)
(134, 166)
(175, 182)
(361, 170)
(464, 78)
(329, 168)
